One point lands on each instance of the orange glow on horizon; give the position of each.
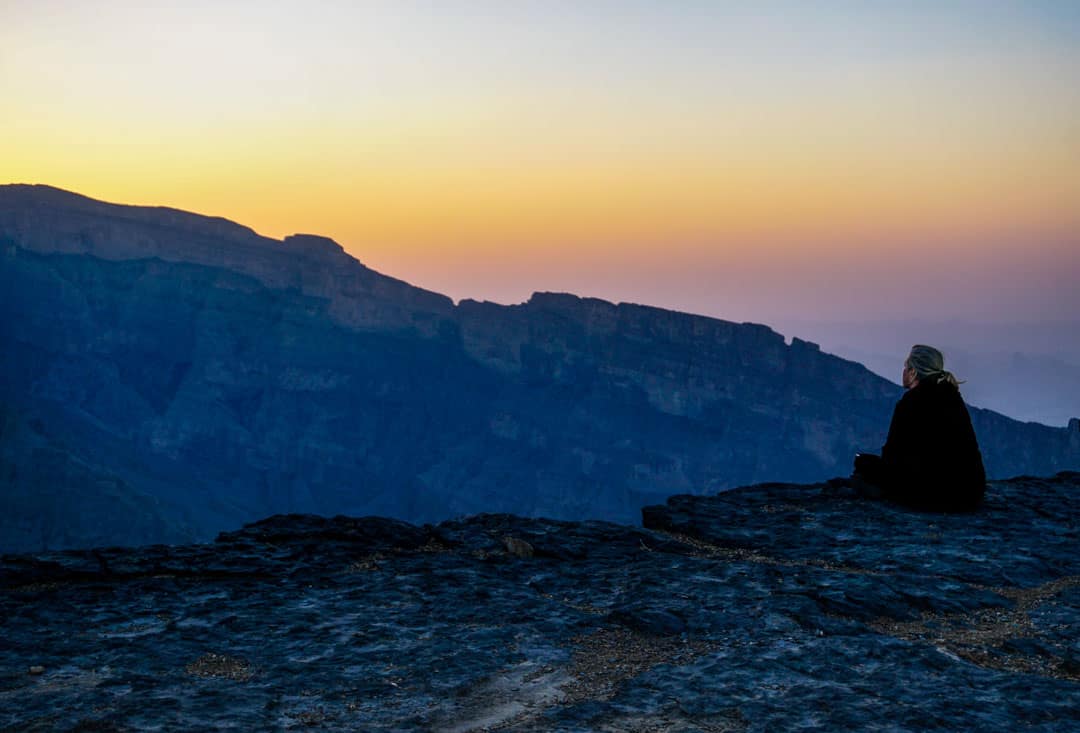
(693, 140)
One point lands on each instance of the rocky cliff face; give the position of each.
(216, 377)
(774, 607)
(50, 221)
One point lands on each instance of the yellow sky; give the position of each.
(440, 147)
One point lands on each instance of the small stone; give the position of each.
(1070, 665)
(514, 546)
(37, 669)
(220, 665)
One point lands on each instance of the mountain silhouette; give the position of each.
(169, 375)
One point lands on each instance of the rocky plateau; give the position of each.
(765, 608)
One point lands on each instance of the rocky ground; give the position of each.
(775, 607)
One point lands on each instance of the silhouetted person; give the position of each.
(931, 459)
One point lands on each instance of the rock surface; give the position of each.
(169, 375)
(774, 607)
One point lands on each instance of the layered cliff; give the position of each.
(775, 607)
(217, 377)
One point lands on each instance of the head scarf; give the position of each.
(929, 365)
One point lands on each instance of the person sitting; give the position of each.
(931, 458)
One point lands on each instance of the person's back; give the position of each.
(931, 452)
(931, 459)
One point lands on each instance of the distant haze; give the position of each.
(1029, 371)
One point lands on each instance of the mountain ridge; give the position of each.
(12, 195)
(302, 381)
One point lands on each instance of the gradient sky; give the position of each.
(752, 161)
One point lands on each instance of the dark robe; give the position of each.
(931, 459)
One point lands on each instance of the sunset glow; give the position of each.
(750, 164)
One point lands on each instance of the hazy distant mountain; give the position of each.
(207, 376)
(1029, 371)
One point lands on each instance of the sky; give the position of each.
(765, 161)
